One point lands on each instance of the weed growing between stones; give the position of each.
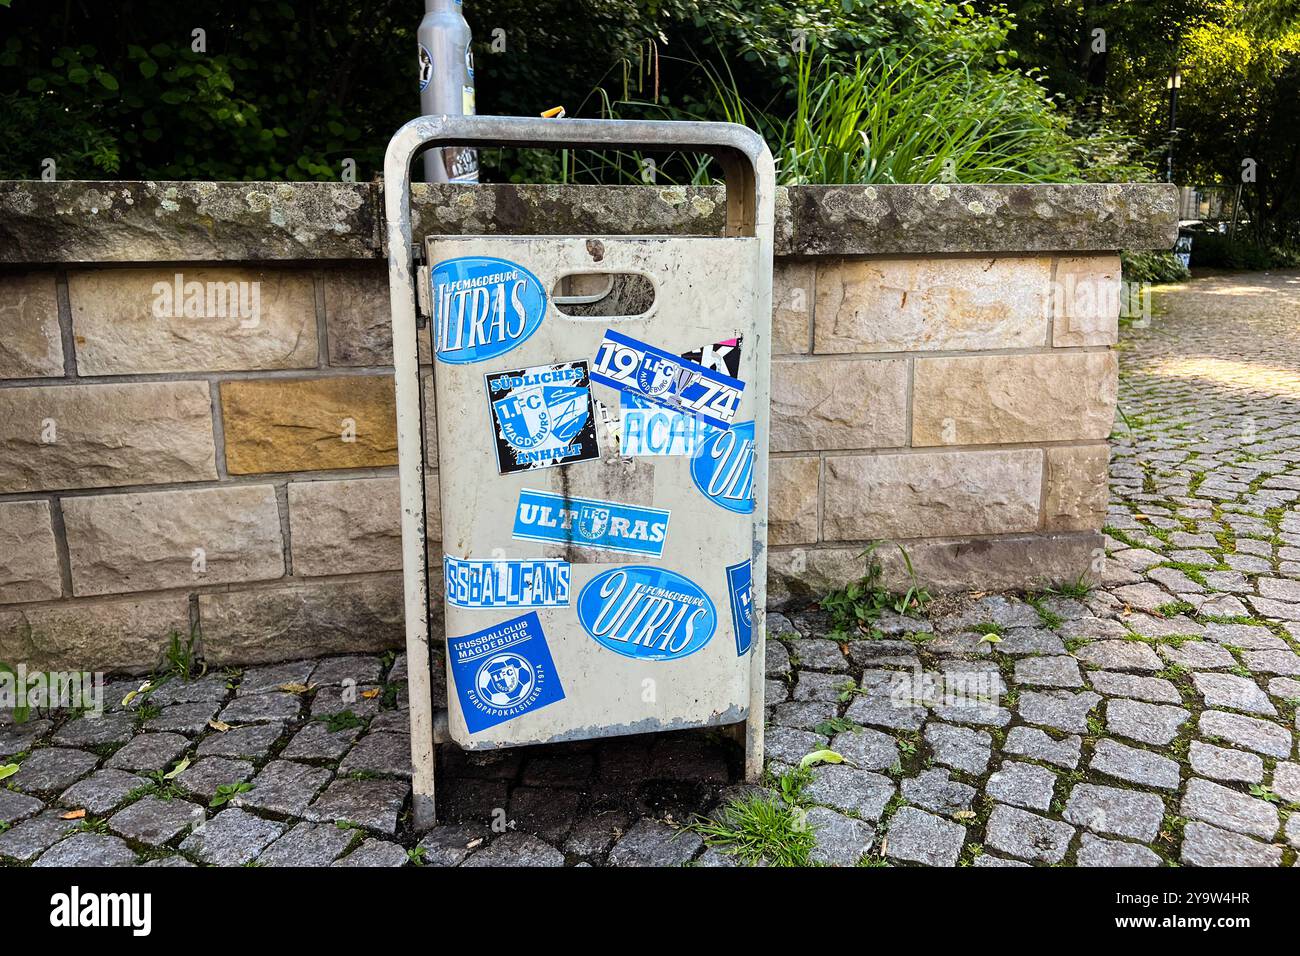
(766, 828)
(180, 659)
(855, 609)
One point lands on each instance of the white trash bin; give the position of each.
(603, 476)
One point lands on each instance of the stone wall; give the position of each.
(163, 473)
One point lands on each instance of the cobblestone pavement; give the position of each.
(1149, 721)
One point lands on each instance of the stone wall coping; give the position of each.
(119, 222)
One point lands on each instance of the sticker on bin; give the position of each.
(500, 583)
(543, 416)
(647, 613)
(483, 307)
(590, 523)
(666, 379)
(724, 469)
(721, 356)
(503, 672)
(740, 586)
(650, 429)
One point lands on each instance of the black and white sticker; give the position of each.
(721, 356)
(542, 416)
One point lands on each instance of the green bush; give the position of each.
(289, 91)
(920, 119)
(1154, 267)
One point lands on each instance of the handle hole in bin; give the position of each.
(604, 294)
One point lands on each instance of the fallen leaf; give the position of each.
(8, 770)
(218, 725)
(473, 843)
(73, 815)
(177, 770)
(294, 688)
(372, 693)
(820, 756)
(990, 639)
(143, 688)
(1138, 517)
(964, 815)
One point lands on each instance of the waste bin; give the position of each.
(602, 432)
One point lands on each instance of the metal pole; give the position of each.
(1175, 84)
(447, 86)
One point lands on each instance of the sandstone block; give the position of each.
(792, 306)
(309, 424)
(856, 403)
(170, 539)
(792, 500)
(313, 619)
(931, 494)
(357, 316)
(96, 436)
(1086, 301)
(999, 399)
(358, 319)
(1077, 488)
(31, 345)
(192, 319)
(29, 563)
(430, 399)
(100, 635)
(344, 527)
(912, 305)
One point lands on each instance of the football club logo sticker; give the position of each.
(543, 416)
(647, 613)
(502, 672)
(491, 584)
(666, 380)
(724, 468)
(483, 307)
(589, 523)
(740, 585)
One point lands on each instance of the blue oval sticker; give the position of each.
(724, 468)
(647, 613)
(483, 308)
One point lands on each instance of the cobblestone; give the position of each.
(1134, 765)
(920, 837)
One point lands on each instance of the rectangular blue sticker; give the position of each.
(503, 672)
(529, 582)
(665, 379)
(740, 585)
(588, 523)
(649, 429)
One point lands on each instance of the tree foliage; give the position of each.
(290, 91)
